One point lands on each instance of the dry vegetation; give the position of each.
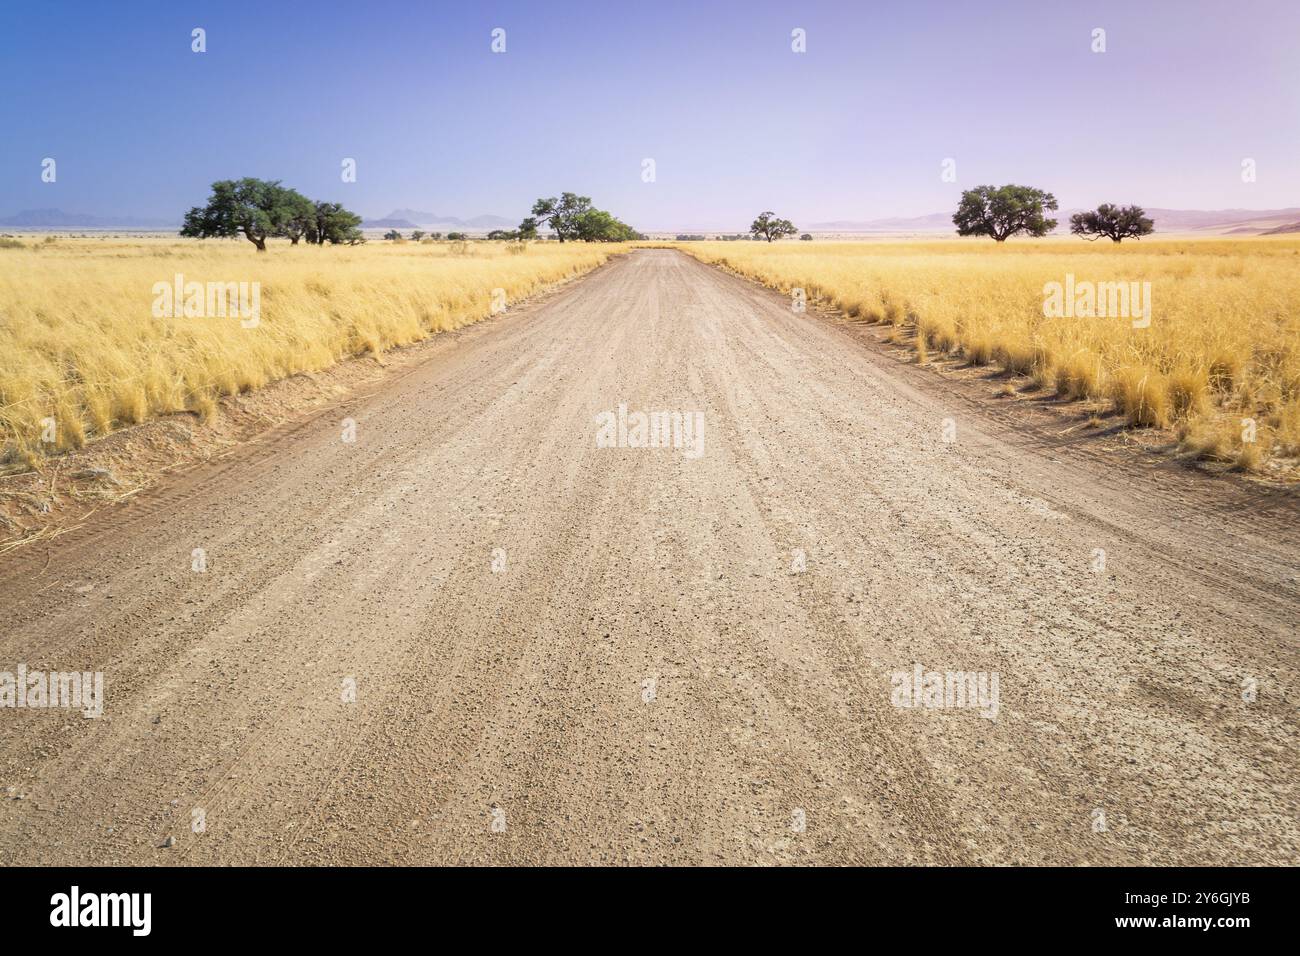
(1223, 344)
(79, 342)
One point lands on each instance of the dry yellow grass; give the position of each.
(80, 343)
(1223, 343)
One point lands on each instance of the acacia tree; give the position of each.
(563, 214)
(596, 225)
(1002, 211)
(1117, 223)
(253, 208)
(572, 217)
(336, 225)
(768, 227)
(300, 213)
(333, 224)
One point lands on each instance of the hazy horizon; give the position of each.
(855, 128)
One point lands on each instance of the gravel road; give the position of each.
(470, 634)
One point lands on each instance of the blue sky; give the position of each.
(736, 122)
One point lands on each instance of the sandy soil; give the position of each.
(564, 653)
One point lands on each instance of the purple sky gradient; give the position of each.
(855, 128)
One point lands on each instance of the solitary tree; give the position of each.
(563, 214)
(1004, 211)
(768, 227)
(393, 234)
(417, 235)
(253, 208)
(1115, 222)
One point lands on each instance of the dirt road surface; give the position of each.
(564, 653)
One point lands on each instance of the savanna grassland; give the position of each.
(80, 342)
(1223, 343)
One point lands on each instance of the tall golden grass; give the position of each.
(79, 342)
(1223, 344)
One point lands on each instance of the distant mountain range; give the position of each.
(416, 219)
(37, 219)
(1241, 222)
(58, 219)
(1280, 230)
(388, 223)
(1224, 221)
(935, 222)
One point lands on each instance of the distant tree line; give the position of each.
(725, 237)
(762, 230)
(258, 209)
(418, 235)
(572, 218)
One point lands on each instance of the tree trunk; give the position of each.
(259, 241)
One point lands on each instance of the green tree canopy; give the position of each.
(259, 209)
(1002, 211)
(253, 208)
(596, 225)
(768, 226)
(335, 225)
(1117, 223)
(562, 214)
(299, 215)
(572, 217)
